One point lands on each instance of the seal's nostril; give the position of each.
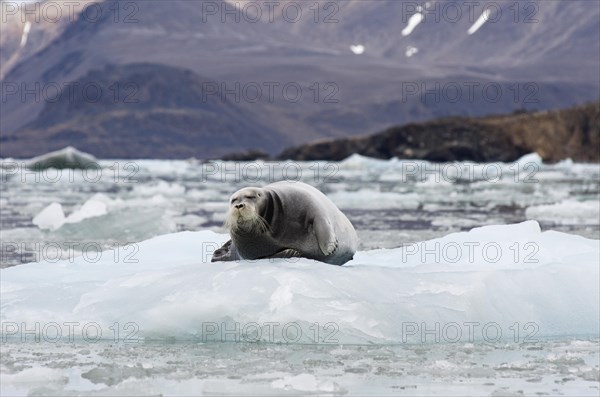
(241, 205)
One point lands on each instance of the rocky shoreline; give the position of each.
(555, 135)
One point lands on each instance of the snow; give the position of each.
(500, 275)
(357, 49)
(410, 51)
(413, 21)
(26, 29)
(483, 18)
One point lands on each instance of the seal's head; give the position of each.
(245, 207)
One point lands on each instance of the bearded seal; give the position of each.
(284, 220)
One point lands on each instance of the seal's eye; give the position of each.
(233, 200)
(251, 197)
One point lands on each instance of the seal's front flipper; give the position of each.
(226, 253)
(325, 236)
(287, 253)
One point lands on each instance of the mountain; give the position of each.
(212, 77)
(164, 112)
(555, 135)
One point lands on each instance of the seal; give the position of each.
(284, 220)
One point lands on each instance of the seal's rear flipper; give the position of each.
(226, 253)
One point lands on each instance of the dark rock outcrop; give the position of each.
(555, 135)
(247, 155)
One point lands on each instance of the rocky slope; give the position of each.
(555, 135)
(164, 114)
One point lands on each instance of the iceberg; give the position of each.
(68, 157)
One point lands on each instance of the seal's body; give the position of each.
(287, 219)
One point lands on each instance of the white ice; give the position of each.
(90, 209)
(567, 212)
(53, 217)
(68, 157)
(50, 218)
(166, 286)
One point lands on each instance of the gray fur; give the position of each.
(296, 220)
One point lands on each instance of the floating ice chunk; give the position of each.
(531, 158)
(31, 378)
(565, 164)
(53, 217)
(363, 199)
(483, 18)
(89, 209)
(306, 383)
(103, 198)
(567, 212)
(161, 188)
(172, 289)
(68, 157)
(357, 49)
(191, 221)
(356, 161)
(50, 218)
